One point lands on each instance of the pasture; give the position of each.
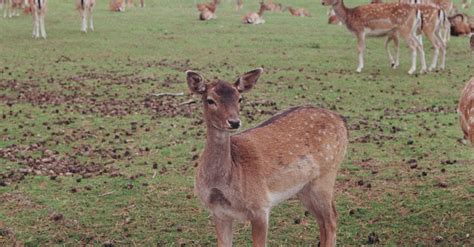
(89, 156)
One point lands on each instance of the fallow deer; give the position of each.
(302, 12)
(446, 5)
(117, 5)
(459, 25)
(242, 176)
(207, 10)
(39, 12)
(466, 111)
(11, 8)
(275, 7)
(256, 17)
(381, 20)
(433, 19)
(85, 8)
(240, 5)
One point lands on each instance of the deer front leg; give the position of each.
(43, 30)
(260, 229)
(360, 49)
(224, 231)
(84, 23)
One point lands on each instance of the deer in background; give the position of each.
(466, 111)
(207, 10)
(240, 5)
(465, 4)
(256, 17)
(39, 12)
(302, 12)
(242, 176)
(12, 8)
(381, 20)
(459, 25)
(85, 8)
(275, 7)
(433, 19)
(117, 5)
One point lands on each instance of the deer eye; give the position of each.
(241, 99)
(210, 101)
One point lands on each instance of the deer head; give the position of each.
(221, 100)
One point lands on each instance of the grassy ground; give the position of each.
(87, 156)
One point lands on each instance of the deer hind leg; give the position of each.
(393, 62)
(360, 49)
(224, 231)
(36, 31)
(318, 199)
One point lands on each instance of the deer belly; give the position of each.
(275, 197)
(378, 28)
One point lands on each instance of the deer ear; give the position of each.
(248, 80)
(196, 82)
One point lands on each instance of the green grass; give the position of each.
(76, 92)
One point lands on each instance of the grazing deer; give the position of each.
(302, 12)
(39, 12)
(466, 111)
(242, 176)
(85, 8)
(117, 5)
(381, 20)
(256, 18)
(433, 19)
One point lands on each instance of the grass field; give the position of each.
(88, 156)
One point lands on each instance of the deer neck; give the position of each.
(216, 158)
(341, 11)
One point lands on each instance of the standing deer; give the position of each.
(242, 176)
(85, 8)
(39, 12)
(381, 20)
(240, 5)
(466, 111)
(256, 17)
(433, 19)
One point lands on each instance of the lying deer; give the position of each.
(381, 20)
(207, 10)
(39, 12)
(466, 111)
(117, 5)
(433, 19)
(85, 8)
(242, 176)
(256, 18)
(459, 25)
(302, 12)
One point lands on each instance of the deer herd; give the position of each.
(38, 9)
(297, 152)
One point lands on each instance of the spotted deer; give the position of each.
(12, 8)
(242, 176)
(433, 19)
(302, 12)
(256, 17)
(381, 20)
(117, 5)
(466, 111)
(39, 12)
(85, 8)
(446, 5)
(207, 10)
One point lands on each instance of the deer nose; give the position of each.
(234, 123)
